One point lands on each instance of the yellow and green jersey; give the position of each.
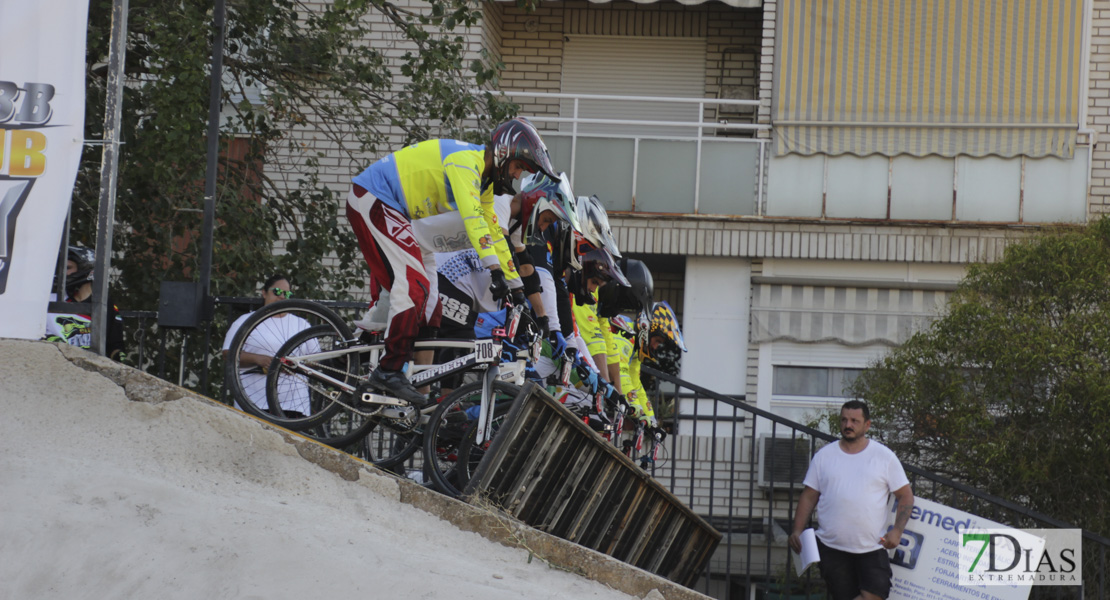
(438, 177)
(594, 330)
(633, 389)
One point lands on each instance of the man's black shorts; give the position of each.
(847, 574)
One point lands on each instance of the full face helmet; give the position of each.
(519, 140)
(596, 264)
(667, 355)
(539, 193)
(599, 264)
(635, 298)
(85, 259)
(594, 224)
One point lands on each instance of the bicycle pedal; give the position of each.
(400, 413)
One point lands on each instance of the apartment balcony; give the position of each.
(651, 159)
(702, 156)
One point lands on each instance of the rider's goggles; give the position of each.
(280, 293)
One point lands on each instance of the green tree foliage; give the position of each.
(305, 65)
(1010, 392)
(364, 77)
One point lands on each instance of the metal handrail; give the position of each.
(699, 124)
(755, 411)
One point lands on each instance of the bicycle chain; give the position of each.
(338, 400)
(405, 425)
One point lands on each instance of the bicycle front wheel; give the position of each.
(294, 394)
(451, 451)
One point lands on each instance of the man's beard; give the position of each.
(853, 436)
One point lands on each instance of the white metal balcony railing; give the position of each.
(695, 166)
(695, 170)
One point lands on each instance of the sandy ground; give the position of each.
(105, 498)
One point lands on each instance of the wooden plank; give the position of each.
(553, 472)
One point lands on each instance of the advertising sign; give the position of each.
(42, 119)
(948, 554)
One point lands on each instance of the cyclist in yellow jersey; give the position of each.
(598, 269)
(662, 350)
(585, 317)
(435, 196)
(624, 334)
(630, 335)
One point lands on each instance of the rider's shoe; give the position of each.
(394, 383)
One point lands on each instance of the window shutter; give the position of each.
(633, 66)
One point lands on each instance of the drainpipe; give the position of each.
(1084, 85)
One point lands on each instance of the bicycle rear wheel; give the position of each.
(451, 453)
(305, 393)
(280, 393)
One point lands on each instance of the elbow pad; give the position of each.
(522, 258)
(532, 283)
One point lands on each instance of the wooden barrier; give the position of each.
(551, 471)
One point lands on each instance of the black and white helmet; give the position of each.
(593, 222)
(518, 139)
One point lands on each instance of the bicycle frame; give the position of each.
(485, 352)
(486, 356)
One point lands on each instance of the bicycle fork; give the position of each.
(485, 415)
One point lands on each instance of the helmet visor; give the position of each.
(603, 266)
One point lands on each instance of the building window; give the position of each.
(822, 382)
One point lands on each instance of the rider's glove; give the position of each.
(498, 287)
(545, 329)
(613, 398)
(558, 343)
(620, 404)
(518, 297)
(588, 376)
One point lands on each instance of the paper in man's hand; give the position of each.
(809, 554)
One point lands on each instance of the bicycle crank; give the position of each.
(388, 407)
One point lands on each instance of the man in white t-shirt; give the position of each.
(263, 343)
(849, 483)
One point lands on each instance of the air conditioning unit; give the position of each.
(783, 461)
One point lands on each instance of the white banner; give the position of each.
(927, 564)
(42, 120)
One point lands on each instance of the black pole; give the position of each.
(63, 252)
(109, 175)
(214, 101)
